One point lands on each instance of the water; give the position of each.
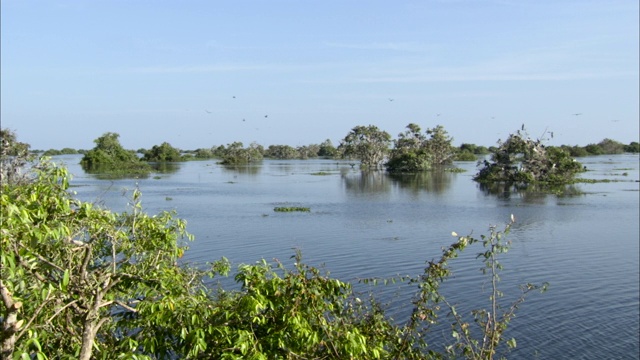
(585, 243)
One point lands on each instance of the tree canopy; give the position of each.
(368, 144)
(162, 153)
(108, 156)
(520, 159)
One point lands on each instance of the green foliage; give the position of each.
(575, 151)
(609, 146)
(473, 149)
(594, 149)
(327, 150)
(162, 153)
(465, 156)
(414, 151)
(308, 151)
(522, 160)
(73, 267)
(367, 144)
(439, 146)
(109, 157)
(281, 152)
(493, 322)
(410, 153)
(236, 154)
(14, 157)
(633, 147)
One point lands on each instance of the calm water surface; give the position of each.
(585, 243)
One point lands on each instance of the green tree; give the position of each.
(162, 153)
(75, 276)
(108, 156)
(308, 151)
(409, 153)
(237, 154)
(594, 149)
(633, 147)
(521, 159)
(327, 149)
(609, 146)
(439, 146)
(14, 156)
(281, 152)
(368, 144)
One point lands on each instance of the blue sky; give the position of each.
(204, 73)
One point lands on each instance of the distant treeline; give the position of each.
(464, 152)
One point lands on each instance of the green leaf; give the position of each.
(65, 280)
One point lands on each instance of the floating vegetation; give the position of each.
(157, 177)
(291, 209)
(168, 198)
(321, 173)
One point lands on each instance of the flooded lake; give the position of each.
(584, 241)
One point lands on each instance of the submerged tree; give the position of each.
(108, 156)
(521, 159)
(237, 154)
(368, 144)
(414, 151)
(162, 153)
(409, 153)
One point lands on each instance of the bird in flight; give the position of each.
(438, 114)
(208, 112)
(577, 114)
(390, 99)
(234, 96)
(266, 116)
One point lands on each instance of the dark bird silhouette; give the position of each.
(577, 114)
(266, 116)
(208, 112)
(438, 114)
(234, 96)
(390, 99)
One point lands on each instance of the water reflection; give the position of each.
(528, 193)
(366, 182)
(430, 181)
(102, 174)
(250, 169)
(165, 167)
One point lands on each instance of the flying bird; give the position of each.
(208, 112)
(266, 116)
(577, 114)
(390, 99)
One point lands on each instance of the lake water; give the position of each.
(585, 242)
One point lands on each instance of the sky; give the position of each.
(199, 73)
